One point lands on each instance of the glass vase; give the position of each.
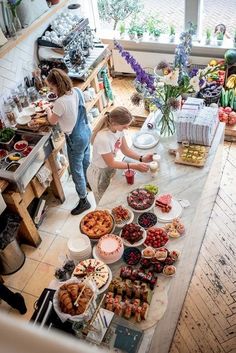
(17, 23)
(166, 124)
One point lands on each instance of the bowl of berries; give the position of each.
(132, 256)
(133, 235)
(156, 237)
(147, 220)
(20, 145)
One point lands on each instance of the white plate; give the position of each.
(140, 242)
(145, 139)
(23, 119)
(175, 212)
(104, 288)
(122, 224)
(96, 256)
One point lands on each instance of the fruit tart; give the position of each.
(140, 199)
(95, 224)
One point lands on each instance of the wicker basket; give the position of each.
(210, 99)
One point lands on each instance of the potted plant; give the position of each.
(208, 36)
(117, 10)
(139, 30)
(172, 34)
(220, 38)
(122, 29)
(156, 33)
(131, 32)
(235, 38)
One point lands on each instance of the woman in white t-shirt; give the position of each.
(70, 113)
(107, 138)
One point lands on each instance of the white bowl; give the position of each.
(23, 119)
(138, 243)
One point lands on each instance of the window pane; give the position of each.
(170, 12)
(216, 12)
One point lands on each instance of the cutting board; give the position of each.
(179, 160)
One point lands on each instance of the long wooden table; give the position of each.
(199, 186)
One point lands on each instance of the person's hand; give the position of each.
(147, 158)
(48, 111)
(142, 167)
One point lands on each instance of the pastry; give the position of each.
(149, 252)
(175, 254)
(93, 269)
(96, 224)
(161, 254)
(110, 248)
(174, 233)
(68, 294)
(120, 214)
(169, 270)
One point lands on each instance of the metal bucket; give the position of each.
(12, 258)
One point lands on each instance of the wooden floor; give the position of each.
(123, 89)
(208, 319)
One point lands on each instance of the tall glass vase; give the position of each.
(17, 23)
(166, 124)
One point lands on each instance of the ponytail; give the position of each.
(103, 123)
(119, 116)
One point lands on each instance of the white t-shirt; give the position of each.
(106, 141)
(66, 107)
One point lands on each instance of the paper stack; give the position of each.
(196, 123)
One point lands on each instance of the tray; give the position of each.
(178, 152)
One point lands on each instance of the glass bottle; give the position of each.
(23, 99)
(16, 99)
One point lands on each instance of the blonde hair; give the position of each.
(119, 116)
(61, 80)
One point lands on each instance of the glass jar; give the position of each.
(16, 99)
(33, 94)
(23, 99)
(9, 113)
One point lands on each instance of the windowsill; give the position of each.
(163, 45)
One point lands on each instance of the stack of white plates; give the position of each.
(79, 248)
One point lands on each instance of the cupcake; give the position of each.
(161, 254)
(180, 228)
(169, 270)
(175, 254)
(148, 252)
(174, 233)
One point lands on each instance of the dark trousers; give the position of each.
(8, 296)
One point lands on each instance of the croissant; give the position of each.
(73, 291)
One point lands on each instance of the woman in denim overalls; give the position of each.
(69, 111)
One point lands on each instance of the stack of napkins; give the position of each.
(197, 125)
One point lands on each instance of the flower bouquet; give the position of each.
(165, 90)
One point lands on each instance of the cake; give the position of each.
(169, 270)
(92, 269)
(161, 254)
(110, 248)
(95, 224)
(140, 199)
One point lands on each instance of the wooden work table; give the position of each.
(197, 185)
(18, 202)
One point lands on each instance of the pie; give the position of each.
(96, 224)
(140, 199)
(92, 269)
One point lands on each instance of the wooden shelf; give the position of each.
(90, 105)
(62, 170)
(13, 42)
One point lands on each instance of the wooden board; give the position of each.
(179, 160)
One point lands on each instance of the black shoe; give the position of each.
(82, 206)
(20, 303)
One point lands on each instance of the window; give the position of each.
(216, 12)
(169, 12)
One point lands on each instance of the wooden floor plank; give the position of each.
(214, 292)
(232, 319)
(215, 311)
(189, 339)
(179, 342)
(204, 326)
(230, 346)
(233, 308)
(206, 313)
